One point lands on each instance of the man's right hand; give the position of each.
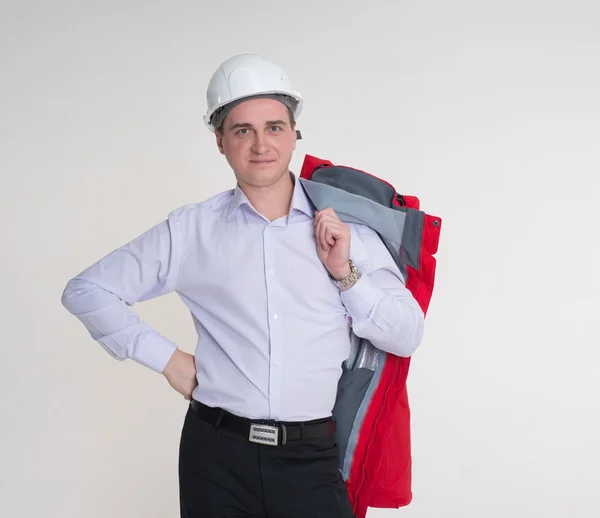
(181, 373)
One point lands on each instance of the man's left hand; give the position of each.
(333, 243)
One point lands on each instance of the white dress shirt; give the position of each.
(273, 331)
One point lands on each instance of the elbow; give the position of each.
(71, 295)
(68, 296)
(410, 335)
(415, 340)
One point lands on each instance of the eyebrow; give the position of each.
(248, 125)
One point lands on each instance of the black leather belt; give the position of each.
(272, 433)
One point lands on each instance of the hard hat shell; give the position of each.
(246, 75)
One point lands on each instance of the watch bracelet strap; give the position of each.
(350, 279)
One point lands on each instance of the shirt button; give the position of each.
(271, 271)
(275, 316)
(275, 363)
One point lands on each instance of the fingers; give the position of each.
(325, 235)
(320, 236)
(328, 228)
(329, 211)
(329, 239)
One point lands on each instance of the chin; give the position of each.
(265, 171)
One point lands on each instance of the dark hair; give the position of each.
(290, 112)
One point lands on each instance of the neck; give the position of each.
(272, 201)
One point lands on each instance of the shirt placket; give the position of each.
(275, 320)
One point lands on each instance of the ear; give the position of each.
(295, 136)
(219, 137)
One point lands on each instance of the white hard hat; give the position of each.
(247, 75)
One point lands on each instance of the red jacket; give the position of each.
(372, 409)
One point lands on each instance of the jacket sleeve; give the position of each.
(380, 308)
(101, 296)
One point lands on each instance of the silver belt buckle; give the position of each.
(264, 434)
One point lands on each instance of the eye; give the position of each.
(242, 132)
(275, 129)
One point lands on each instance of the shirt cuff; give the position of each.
(154, 351)
(361, 298)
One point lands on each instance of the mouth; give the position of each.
(262, 162)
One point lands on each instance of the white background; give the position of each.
(488, 111)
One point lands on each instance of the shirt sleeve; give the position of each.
(381, 308)
(101, 296)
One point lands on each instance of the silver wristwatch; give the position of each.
(350, 279)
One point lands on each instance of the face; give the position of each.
(258, 142)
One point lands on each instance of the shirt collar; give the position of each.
(238, 198)
(300, 201)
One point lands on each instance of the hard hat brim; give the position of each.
(295, 96)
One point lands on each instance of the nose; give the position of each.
(259, 145)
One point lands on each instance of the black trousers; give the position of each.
(223, 475)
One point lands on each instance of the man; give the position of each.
(273, 287)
